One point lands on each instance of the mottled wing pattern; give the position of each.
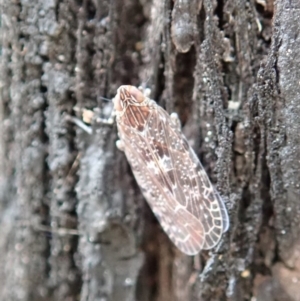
(174, 183)
(192, 186)
(182, 227)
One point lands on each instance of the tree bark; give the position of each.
(74, 224)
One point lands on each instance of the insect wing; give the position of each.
(174, 183)
(182, 227)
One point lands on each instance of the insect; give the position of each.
(169, 173)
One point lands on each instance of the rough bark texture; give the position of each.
(74, 225)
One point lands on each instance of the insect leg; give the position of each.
(79, 123)
(106, 121)
(120, 145)
(175, 120)
(145, 91)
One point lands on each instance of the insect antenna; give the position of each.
(104, 98)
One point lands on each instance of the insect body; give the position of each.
(169, 173)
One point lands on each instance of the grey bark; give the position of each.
(74, 225)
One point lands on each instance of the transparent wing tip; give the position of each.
(224, 213)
